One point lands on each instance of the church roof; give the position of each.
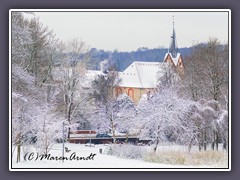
(137, 75)
(175, 60)
(140, 75)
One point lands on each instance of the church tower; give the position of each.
(173, 49)
(173, 56)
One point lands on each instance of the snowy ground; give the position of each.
(98, 160)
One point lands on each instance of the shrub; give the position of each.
(208, 157)
(166, 157)
(126, 151)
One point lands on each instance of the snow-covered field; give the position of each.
(96, 161)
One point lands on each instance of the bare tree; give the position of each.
(207, 78)
(167, 75)
(70, 91)
(207, 71)
(38, 62)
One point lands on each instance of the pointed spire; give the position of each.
(173, 49)
(173, 20)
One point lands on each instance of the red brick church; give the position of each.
(141, 77)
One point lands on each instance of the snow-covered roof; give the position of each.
(175, 60)
(92, 74)
(140, 75)
(137, 75)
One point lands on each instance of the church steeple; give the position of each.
(173, 49)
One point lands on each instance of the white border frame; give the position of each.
(119, 10)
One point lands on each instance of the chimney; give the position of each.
(103, 65)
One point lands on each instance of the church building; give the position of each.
(141, 78)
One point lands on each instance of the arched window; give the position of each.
(131, 93)
(119, 91)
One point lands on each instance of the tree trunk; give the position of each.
(212, 145)
(113, 132)
(157, 141)
(199, 146)
(127, 138)
(18, 152)
(69, 112)
(199, 142)
(190, 145)
(213, 139)
(68, 135)
(113, 129)
(224, 144)
(216, 140)
(205, 140)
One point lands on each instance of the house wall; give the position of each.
(180, 67)
(169, 60)
(134, 93)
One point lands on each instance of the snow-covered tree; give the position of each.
(125, 112)
(206, 124)
(48, 129)
(115, 115)
(34, 121)
(161, 115)
(24, 108)
(106, 102)
(20, 122)
(21, 39)
(211, 111)
(223, 127)
(104, 86)
(31, 113)
(166, 75)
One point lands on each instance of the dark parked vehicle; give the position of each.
(103, 136)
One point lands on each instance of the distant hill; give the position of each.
(123, 59)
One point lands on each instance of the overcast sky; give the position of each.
(127, 31)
